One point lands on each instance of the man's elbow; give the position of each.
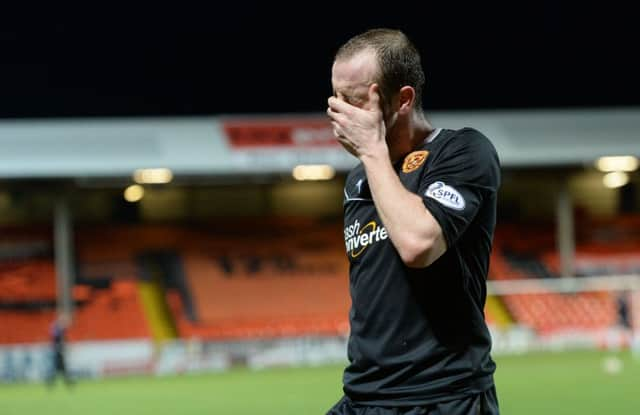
(418, 253)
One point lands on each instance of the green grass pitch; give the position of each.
(541, 383)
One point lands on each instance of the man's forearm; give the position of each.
(412, 229)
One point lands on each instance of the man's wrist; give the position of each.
(377, 154)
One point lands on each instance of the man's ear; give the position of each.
(406, 99)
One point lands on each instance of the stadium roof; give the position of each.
(252, 144)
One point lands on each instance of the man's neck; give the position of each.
(409, 137)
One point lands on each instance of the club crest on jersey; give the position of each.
(446, 195)
(414, 160)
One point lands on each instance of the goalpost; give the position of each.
(566, 313)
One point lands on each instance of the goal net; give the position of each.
(564, 313)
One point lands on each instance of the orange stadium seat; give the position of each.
(275, 277)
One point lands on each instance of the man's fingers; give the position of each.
(335, 116)
(337, 130)
(345, 143)
(338, 105)
(336, 121)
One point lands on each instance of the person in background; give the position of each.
(58, 348)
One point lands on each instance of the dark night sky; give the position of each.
(254, 57)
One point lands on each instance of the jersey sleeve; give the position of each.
(457, 182)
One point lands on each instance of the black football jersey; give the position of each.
(419, 335)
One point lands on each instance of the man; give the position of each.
(420, 211)
(58, 334)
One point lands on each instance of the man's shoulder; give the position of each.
(467, 139)
(472, 149)
(465, 135)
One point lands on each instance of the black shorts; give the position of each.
(485, 403)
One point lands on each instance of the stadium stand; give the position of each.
(265, 278)
(535, 257)
(249, 281)
(28, 301)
